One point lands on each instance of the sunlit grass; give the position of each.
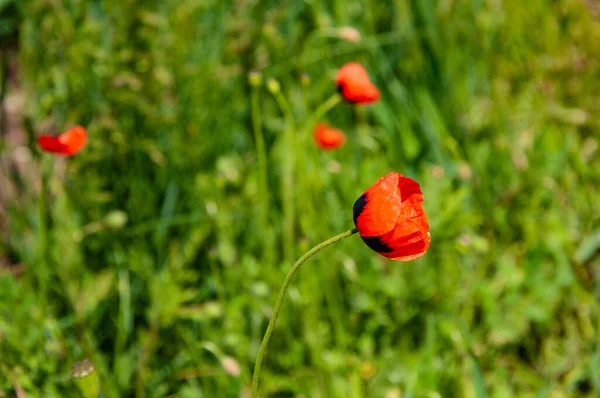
(491, 106)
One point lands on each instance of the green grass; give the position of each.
(492, 106)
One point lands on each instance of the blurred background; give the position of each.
(157, 252)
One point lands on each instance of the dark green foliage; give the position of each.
(158, 270)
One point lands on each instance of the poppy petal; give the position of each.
(376, 244)
(327, 137)
(66, 144)
(411, 198)
(360, 92)
(74, 138)
(377, 210)
(352, 71)
(390, 218)
(354, 84)
(407, 231)
(51, 144)
(410, 251)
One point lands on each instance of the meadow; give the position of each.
(157, 252)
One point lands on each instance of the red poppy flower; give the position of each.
(354, 84)
(328, 138)
(68, 143)
(390, 218)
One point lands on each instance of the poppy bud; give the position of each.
(273, 86)
(305, 79)
(354, 84)
(349, 34)
(255, 78)
(66, 144)
(231, 366)
(328, 138)
(116, 219)
(85, 376)
(390, 218)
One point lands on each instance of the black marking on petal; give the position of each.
(359, 206)
(340, 89)
(375, 243)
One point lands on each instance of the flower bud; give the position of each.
(390, 218)
(305, 79)
(349, 34)
(85, 377)
(116, 219)
(273, 86)
(255, 78)
(354, 84)
(231, 366)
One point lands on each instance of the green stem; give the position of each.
(322, 110)
(261, 153)
(287, 176)
(279, 302)
(309, 42)
(359, 134)
(43, 244)
(286, 109)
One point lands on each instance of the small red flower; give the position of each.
(354, 84)
(68, 143)
(390, 218)
(328, 138)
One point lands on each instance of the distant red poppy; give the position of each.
(68, 143)
(390, 218)
(354, 84)
(328, 138)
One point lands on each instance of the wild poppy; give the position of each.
(354, 84)
(390, 218)
(68, 143)
(327, 137)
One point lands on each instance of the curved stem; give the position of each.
(279, 302)
(323, 109)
